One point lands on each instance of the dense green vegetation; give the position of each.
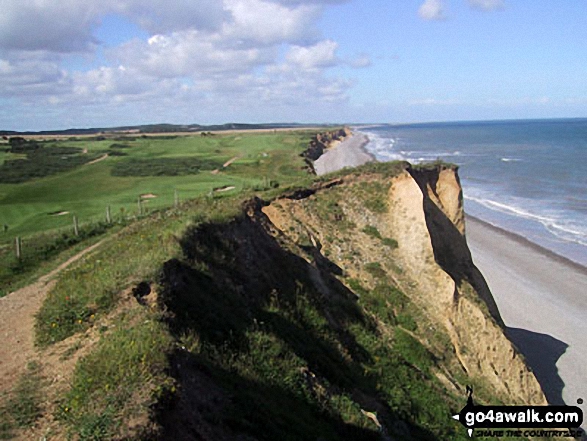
(164, 166)
(34, 160)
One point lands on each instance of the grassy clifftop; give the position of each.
(280, 313)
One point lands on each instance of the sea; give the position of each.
(528, 177)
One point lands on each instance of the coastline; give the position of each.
(542, 300)
(350, 152)
(521, 240)
(541, 295)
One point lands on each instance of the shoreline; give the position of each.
(521, 240)
(350, 152)
(541, 295)
(542, 298)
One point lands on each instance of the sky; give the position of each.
(83, 63)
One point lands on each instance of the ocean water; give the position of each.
(528, 177)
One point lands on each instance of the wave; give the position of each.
(510, 159)
(382, 148)
(561, 227)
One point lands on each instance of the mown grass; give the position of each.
(87, 190)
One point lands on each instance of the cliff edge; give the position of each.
(412, 226)
(348, 310)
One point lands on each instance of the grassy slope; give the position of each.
(249, 350)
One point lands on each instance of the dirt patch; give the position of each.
(225, 188)
(148, 196)
(101, 158)
(59, 213)
(17, 320)
(230, 161)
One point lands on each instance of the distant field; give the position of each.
(258, 159)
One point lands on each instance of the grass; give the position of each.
(87, 190)
(37, 161)
(127, 362)
(245, 331)
(23, 406)
(43, 252)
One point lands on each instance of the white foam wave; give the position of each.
(556, 224)
(382, 148)
(510, 159)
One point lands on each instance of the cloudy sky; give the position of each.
(87, 63)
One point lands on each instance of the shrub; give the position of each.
(372, 231)
(164, 166)
(391, 243)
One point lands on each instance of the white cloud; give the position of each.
(432, 10)
(209, 55)
(486, 5)
(267, 22)
(29, 76)
(190, 53)
(320, 55)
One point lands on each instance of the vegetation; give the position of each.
(205, 324)
(23, 406)
(163, 166)
(39, 161)
(43, 251)
(85, 191)
(127, 367)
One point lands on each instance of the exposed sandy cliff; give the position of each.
(423, 212)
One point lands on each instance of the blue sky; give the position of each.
(81, 63)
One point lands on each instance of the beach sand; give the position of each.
(541, 296)
(349, 153)
(542, 299)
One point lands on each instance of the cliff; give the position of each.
(345, 308)
(322, 141)
(349, 310)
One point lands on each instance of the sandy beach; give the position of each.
(349, 153)
(541, 296)
(543, 301)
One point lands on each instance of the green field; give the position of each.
(154, 170)
(33, 206)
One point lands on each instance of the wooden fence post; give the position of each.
(18, 248)
(108, 215)
(75, 226)
(175, 198)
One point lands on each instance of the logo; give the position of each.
(480, 420)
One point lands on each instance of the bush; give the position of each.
(391, 243)
(372, 231)
(164, 166)
(41, 162)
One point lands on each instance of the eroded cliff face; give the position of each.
(348, 310)
(408, 231)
